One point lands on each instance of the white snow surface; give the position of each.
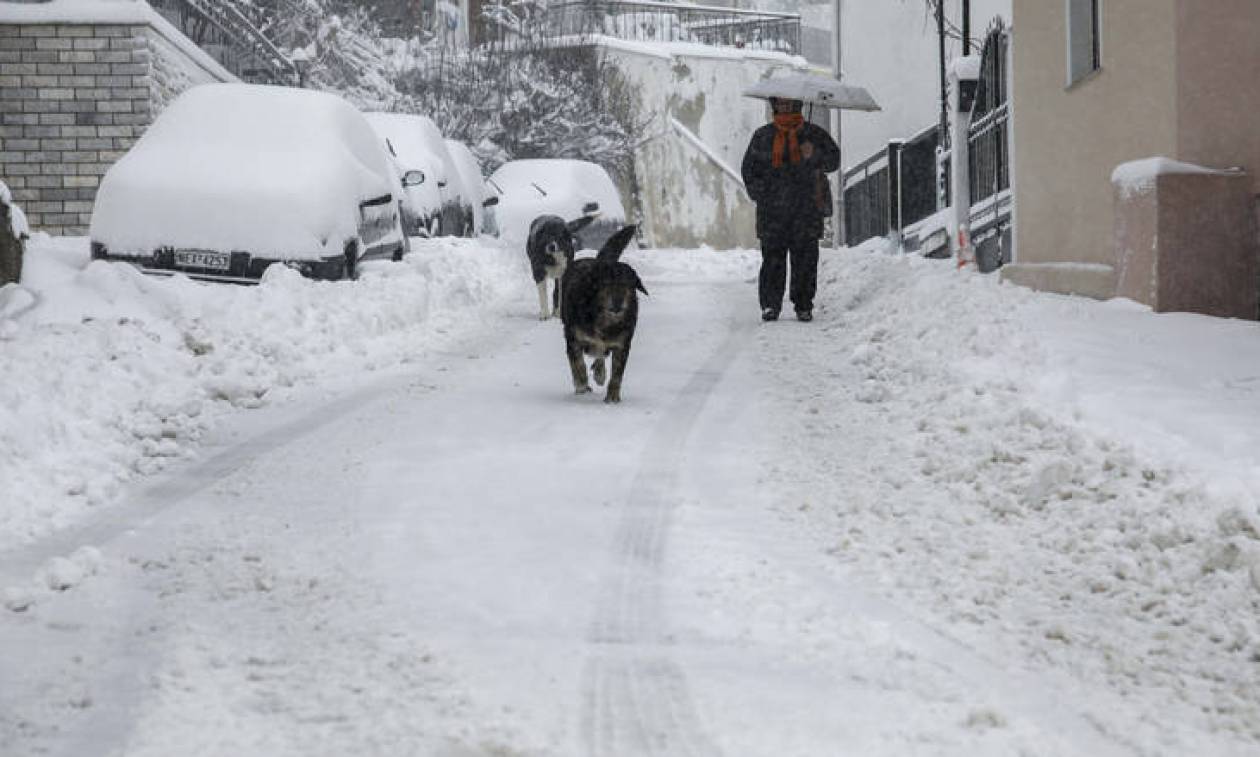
(262, 176)
(109, 375)
(951, 516)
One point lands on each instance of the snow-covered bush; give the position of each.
(523, 98)
(530, 101)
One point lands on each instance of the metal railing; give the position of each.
(893, 189)
(866, 194)
(221, 29)
(647, 21)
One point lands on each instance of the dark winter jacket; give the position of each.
(787, 197)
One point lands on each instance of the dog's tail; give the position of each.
(616, 244)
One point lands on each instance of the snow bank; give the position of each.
(1077, 480)
(108, 374)
(276, 171)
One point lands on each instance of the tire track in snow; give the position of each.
(636, 700)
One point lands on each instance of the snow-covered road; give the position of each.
(788, 539)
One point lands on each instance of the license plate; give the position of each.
(218, 261)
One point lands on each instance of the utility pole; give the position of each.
(966, 27)
(940, 33)
(837, 196)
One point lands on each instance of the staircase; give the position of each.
(220, 28)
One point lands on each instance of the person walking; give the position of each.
(784, 171)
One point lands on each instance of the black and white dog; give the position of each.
(550, 248)
(600, 309)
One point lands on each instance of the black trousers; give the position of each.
(774, 269)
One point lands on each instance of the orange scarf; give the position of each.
(786, 126)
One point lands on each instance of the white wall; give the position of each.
(686, 199)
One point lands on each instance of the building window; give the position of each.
(1084, 44)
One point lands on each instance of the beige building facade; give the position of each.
(1175, 79)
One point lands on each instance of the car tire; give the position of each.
(398, 254)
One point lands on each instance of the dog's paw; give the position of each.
(582, 390)
(612, 398)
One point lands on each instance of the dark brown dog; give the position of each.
(600, 309)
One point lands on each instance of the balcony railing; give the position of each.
(646, 21)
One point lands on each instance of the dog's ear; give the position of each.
(577, 224)
(612, 249)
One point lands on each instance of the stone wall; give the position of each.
(699, 124)
(73, 99)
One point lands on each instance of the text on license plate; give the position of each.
(219, 261)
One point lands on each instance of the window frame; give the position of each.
(1079, 74)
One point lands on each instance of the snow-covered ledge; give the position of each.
(82, 80)
(130, 12)
(1185, 238)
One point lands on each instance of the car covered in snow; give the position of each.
(472, 183)
(232, 178)
(420, 171)
(523, 190)
(418, 144)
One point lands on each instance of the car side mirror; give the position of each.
(490, 202)
(413, 178)
(590, 209)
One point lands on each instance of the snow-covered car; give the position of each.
(472, 183)
(418, 141)
(232, 178)
(526, 189)
(420, 171)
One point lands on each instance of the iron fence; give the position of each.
(893, 189)
(866, 200)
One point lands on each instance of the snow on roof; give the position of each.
(530, 188)
(271, 170)
(1138, 176)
